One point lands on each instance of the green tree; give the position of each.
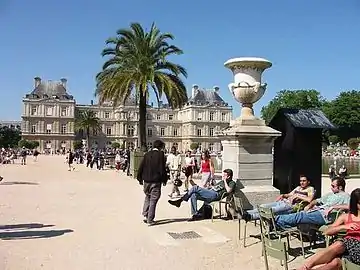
(87, 121)
(353, 143)
(29, 144)
(194, 145)
(77, 145)
(139, 61)
(33, 144)
(344, 112)
(334, 139)
(9, 137)
(296, 99)
(115, 145)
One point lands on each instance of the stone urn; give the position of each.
(247, 87)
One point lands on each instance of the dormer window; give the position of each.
(45, 96)
(55, 96)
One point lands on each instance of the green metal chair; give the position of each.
(239, 208)
(275, 248)
(227, 199)
(347, 265)
(268, 227)
(330, 238)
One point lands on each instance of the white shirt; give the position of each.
(173, 161)
(189, 161)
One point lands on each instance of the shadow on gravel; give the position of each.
(17, 183)
(19, 235)
(170, 220)
(24, 226)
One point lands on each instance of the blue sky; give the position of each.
(312, 44)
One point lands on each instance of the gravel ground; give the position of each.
(89, 219)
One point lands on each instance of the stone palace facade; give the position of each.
(49, 118)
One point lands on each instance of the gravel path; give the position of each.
(88, 219)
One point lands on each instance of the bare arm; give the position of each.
(337, 226)
(227, 187)
(307, 199)
(311, 205)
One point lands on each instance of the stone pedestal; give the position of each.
(247, 147)
(248, 142)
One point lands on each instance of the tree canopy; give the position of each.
(297, 99)
(9, 136)
(87, 121)
(138, 61)
(343, 111)
(29, 144)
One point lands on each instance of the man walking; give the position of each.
(152, 174)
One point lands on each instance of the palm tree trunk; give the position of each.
(87, 138)
(142, 121)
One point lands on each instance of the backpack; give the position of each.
(205, 211)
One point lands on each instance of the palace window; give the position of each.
(33, 129)
(108, 131)
(107, 115)
(49, 110)
(48, 128)
(212, 116)
(63, 111)
(63, 128)
(171, 117)
(158, 117)
(211, 147)
(175, 132)
(162, 131)
(48, 144)
(149, 132)
(223, 117)
(131, 131)
(211, 132)
(33, 110)
(199, 132)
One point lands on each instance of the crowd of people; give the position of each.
(300, 206)
(10, 156)
(99, 158)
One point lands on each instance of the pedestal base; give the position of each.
(247, 150)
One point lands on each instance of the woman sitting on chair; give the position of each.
(349, 247)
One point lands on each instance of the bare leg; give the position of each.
(335, 264)
(325, 256)
(186, 184)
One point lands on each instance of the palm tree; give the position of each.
(138, 61)
(87, 121)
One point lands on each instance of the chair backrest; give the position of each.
(266, 218)
(347, 265)
(239, 208)
(276, 249)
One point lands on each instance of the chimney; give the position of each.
(216, 88)
(37, 81)
(194, 90)
(91, 102)
(63, 82)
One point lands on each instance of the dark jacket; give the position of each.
(152, 167)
